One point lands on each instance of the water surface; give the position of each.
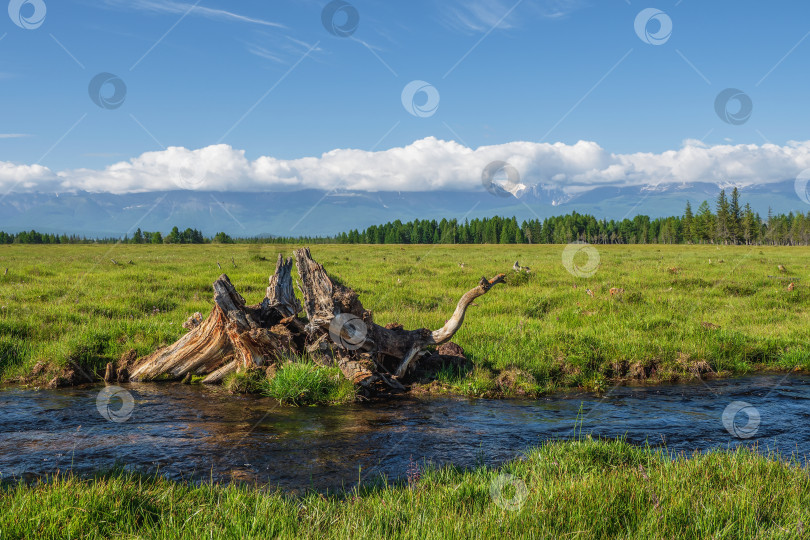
(193, 432)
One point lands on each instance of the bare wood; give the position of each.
(446, 332)
(109, 373)
(221, 373)
(358, 369)
(403, 367)
(323, 299)
(256, 347)
(239, 336)
(280, 293)
(316, 287)
(205, 347)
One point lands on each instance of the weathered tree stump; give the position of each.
(337, 330)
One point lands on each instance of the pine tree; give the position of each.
(688, 219)
(749, 225)
(735, 217)
(723, 232)
(704, 223)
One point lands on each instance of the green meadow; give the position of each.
(679, 312)
(676, 313)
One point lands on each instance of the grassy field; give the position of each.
(578, 489)
(685, 311)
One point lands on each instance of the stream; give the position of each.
(197, 433)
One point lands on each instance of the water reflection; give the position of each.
(193, 432)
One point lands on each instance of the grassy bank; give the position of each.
(684, 311)
(580, 489)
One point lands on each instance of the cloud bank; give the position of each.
(425, 165)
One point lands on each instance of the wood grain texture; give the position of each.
(337, 330)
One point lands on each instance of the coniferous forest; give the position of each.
(726, 222)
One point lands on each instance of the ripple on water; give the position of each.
(195, 433)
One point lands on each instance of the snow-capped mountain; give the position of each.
(314, 212)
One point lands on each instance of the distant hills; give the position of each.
(314, 212)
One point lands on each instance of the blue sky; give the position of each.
(537, 71)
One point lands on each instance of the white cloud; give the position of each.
(425, 165)
(181, 8)
(281, 49)
(264, 53)
(483, 16)
(478, 16)
(555, 9)
(24, 178)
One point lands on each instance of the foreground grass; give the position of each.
(579, 489)
(685, 311)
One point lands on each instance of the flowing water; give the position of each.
(194, 433)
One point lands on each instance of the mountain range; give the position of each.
(322, 213)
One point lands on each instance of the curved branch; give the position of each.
(447, 331)
(442, 335)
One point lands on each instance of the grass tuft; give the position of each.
(244, 382)
(304, 383)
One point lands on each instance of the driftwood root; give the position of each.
(336, 331)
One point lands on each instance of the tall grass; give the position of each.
(297, 381)
(304, 383)
(581, 489)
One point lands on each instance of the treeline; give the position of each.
(729, 223)
(188, 236)
(33, 237)
(175, 236)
